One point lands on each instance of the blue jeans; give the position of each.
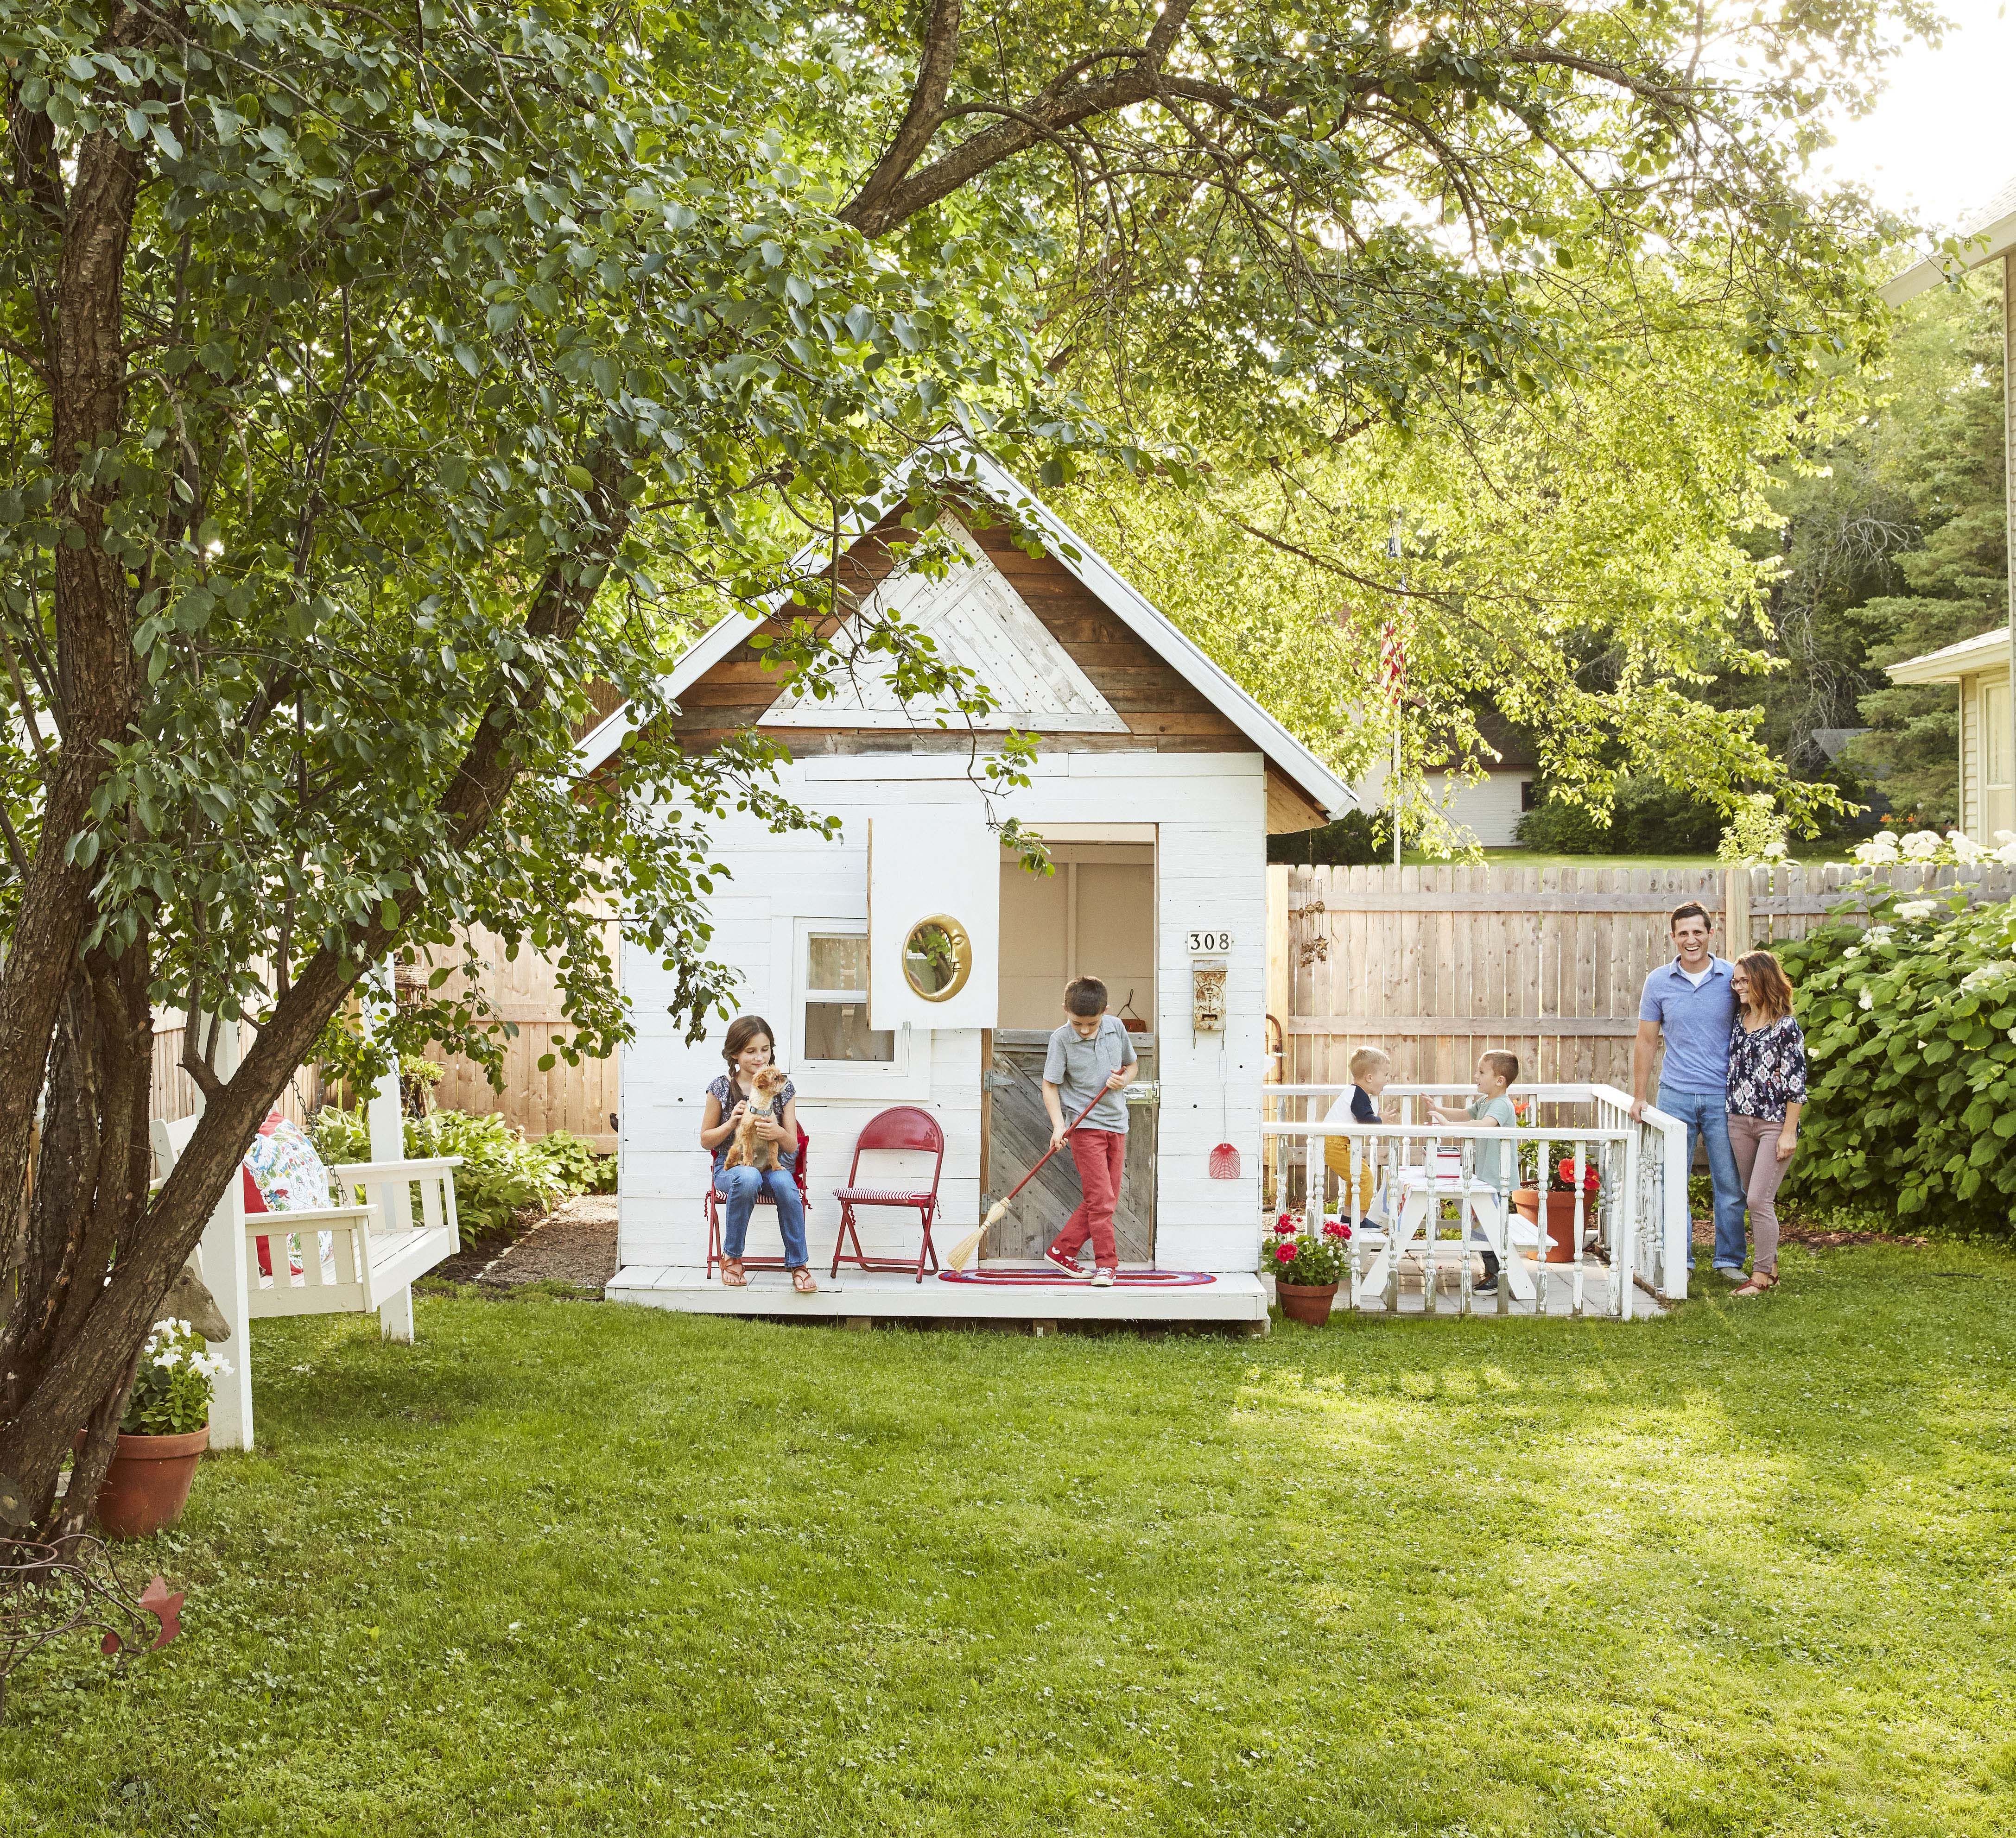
(1706, 1115)
(740, 1187)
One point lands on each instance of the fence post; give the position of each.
(1736, 930)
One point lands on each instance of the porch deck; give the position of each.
(1236, 1298)
(1554, 1295)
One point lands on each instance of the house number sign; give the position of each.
(1210, 944)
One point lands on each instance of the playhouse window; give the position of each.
(836, 1024)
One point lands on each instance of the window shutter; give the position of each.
(937, 862)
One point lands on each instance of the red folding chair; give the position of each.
(904, 1127)
(714, 1202)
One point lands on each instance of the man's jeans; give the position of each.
(1706, 1115)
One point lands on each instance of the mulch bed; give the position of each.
(574, 1244)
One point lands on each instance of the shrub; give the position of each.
(1647, 816)
(501, 1172)
(575, 1163)
(1560, 828)
(1911, 1040)
(1358, 839)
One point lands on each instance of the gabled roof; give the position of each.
(980, 623)
(1995, 220)
(1950, 663)
(1287, 754)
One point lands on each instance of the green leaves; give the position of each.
(1911, 1092)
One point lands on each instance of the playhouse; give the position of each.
(913, 962)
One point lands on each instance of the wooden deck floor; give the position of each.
(1238, 1298)
(879, 1295)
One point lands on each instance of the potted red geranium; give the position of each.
(1560, 1206)
(1308, 1266)
(163, 1434)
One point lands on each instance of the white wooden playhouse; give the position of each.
(1157, 782)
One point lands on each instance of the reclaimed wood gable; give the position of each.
(1161, 711)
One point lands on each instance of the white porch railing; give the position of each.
(1636, 1228)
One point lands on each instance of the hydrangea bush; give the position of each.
(172, 1386)
(1927, 848)
(1910, 1032)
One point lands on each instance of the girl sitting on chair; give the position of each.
(748, 1049)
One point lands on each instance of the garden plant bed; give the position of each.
(616, 1570)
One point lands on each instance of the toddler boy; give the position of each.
(1370, 1070)
(1496, 1072)
(1090, 1052)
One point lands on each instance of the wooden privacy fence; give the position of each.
(524, 990)
(1435, 964)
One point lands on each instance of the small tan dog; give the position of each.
(748, 1150)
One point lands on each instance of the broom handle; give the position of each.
(1054, 1146)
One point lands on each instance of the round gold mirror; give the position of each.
(938, 957)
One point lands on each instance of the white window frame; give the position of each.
(907, 1075)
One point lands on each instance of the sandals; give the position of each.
(1756, 1284)
(734, 1277)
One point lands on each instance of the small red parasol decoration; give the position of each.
(1224, 1162)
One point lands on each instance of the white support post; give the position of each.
(226, 1273)
(1678, 1224)
(387, 1126)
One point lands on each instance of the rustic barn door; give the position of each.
(1018, 1132)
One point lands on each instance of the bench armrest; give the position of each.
(312, 1218)
(351, 1173)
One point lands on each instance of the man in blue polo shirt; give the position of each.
(1689, 1004)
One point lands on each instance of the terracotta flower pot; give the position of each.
(147, 1484)
(1561, 1219)
(1309, 1303)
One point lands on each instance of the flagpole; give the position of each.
(1393, 551)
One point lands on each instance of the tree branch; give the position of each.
(926, 113)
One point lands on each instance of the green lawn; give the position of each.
(567, 1567)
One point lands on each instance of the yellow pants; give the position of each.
(1337, 1157)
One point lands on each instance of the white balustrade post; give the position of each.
(387, 1123)
(1624, 1256)
(226, 1269)
(1678, 1223)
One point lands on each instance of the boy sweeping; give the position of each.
(1090, 1053)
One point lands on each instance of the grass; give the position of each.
(576, 1569)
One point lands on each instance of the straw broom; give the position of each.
(962, 1253)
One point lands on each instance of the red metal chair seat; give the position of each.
(904, 1127)
(714, 1203)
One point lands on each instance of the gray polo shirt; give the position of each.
(1694, 1021)
(1078, 1067)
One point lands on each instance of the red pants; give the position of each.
(1101, 1156)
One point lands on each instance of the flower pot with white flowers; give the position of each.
(163, 1434)
(1308, 1266)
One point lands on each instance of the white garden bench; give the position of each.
(374, 1251)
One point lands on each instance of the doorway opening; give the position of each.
(1094, 917)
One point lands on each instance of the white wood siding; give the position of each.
(1210, 811)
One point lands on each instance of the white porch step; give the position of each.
(881, 1295)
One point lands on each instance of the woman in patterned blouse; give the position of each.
(1767, 1090)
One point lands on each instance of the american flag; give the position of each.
(1392, 662)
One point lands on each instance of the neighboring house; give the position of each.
(1488, 809)
(1157, 782)
(1982, 666)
